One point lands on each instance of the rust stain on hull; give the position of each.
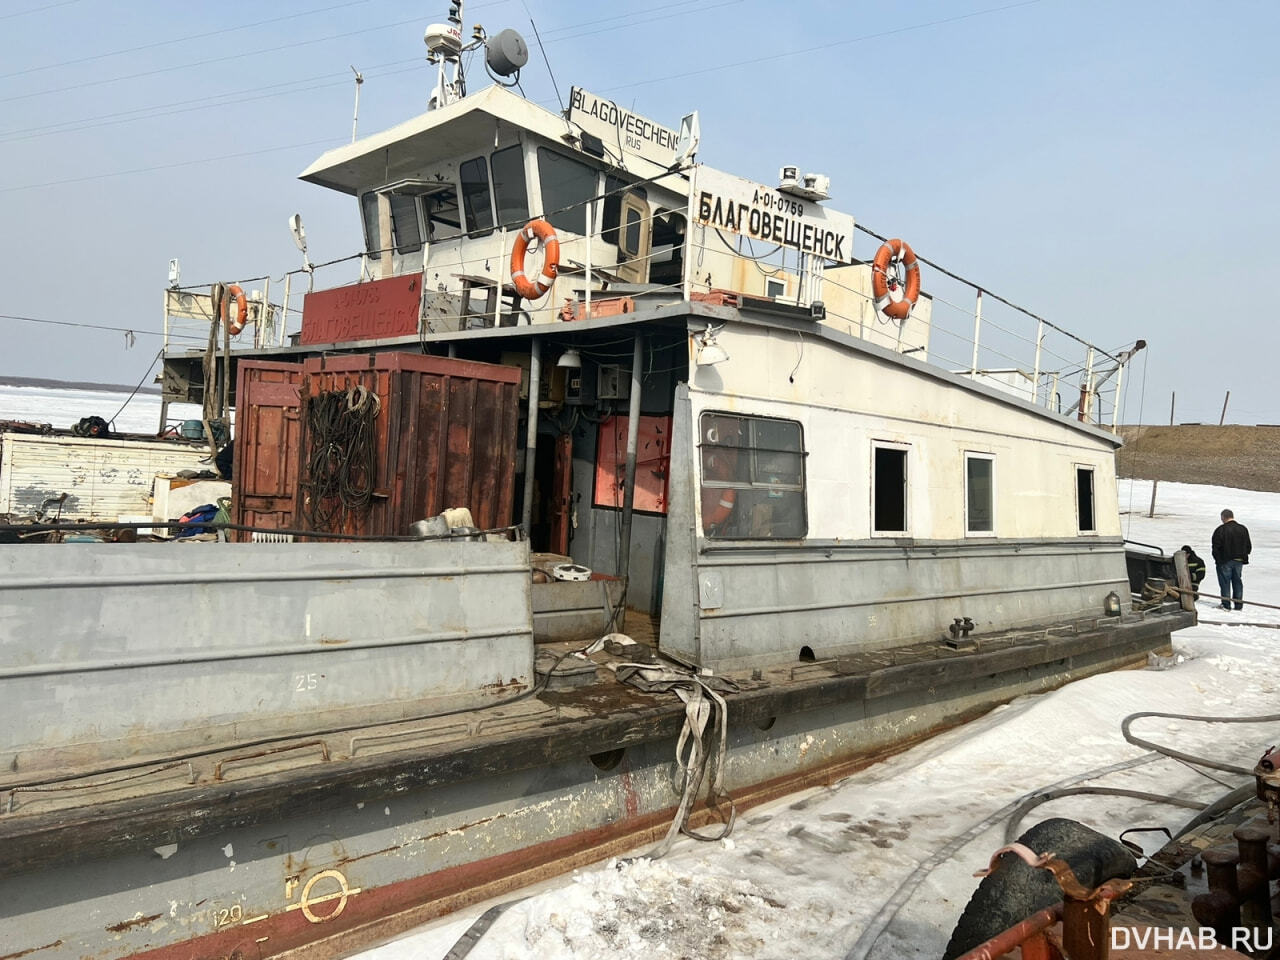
(30, 950)
(382, 912)
(127, 924)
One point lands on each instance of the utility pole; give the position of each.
(1173, 396)
(1222, 419)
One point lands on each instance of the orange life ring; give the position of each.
(546, 235)
(242, 309)
(718, 502)
(882, 283)
(717, 506)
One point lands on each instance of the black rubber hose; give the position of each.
(1186, 757)
(1015, 818)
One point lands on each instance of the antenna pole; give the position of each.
(355, 116)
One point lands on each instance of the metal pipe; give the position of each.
(587, 308)
(531, 433)
(977, 327)
(284, 310)
(1018, 934)
(1035, 378)
(629, 490)
(1115, 407)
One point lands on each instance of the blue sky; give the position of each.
(1110, 166)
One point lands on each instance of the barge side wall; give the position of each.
(122, 651)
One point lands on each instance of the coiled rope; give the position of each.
(341, 456)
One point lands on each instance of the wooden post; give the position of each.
(1186, 589)
(1173, 397)
(1222, 419)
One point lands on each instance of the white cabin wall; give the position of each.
(846, 401)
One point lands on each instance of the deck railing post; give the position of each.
(977, 327)
(531, 433)
(284, 310)
(587, 307)
(1035, 379)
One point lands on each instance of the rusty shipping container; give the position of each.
(444, 436)
(264, 487)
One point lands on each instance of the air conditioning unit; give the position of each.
(788, 177)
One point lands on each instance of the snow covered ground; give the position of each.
(872, 868)
(62, 408)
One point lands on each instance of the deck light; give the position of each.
(571, 359)
(709, 351)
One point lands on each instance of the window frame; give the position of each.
(780, 293)
(969, 456)
(464, 207)
(905, 450)
(578, 206)
(751, 452)
(498, 211)
(1083, 468)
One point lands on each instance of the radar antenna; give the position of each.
(504, 55)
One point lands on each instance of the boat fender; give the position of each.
(546, 236)
(236, 324)
(1015, 891)
(885, 283)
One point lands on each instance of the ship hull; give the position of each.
(404, 823)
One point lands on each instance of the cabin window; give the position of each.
(889, 490)
(405, 230)
(444, 221)
(631, 234)
(567, 187)
(369, 207)
(775, 288)
(979, 494)
(509, 189)
(752, 477)
(1084, 499)
(474, 175)
(611, 210)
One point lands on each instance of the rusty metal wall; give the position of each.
(265, 473)
(445, 437)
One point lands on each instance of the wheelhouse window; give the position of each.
(775, 288)
(369, 211)
(444, 220)
(474, 177)
(889, 489)
(406, 231)
(1084, 500)
(404, 223)
(752, 478)
(567, 187)
(979, 494)
(510, 191)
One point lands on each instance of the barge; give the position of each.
(522, 573)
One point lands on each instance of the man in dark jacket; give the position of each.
(1231, 549)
